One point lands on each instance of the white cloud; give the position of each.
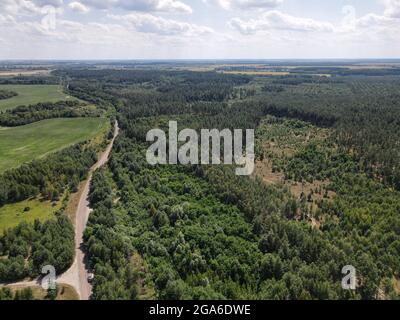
(142, 5)
(139, 36)
(31, 7)
(372, 33)
(151, 29)
(148, 23)
(54, 3)
(245, 4)
(19, 7)
(371, 24)
(6, 20)
(276, 20)
(78, 7)
(392, 8)
(372, 20)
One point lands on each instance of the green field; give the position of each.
(32, 94)
(25, 143)
(12, 215)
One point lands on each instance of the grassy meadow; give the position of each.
(12, 215)
(25, 143)
(32, 94)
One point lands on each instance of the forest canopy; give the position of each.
(171, 215)
(201, 232)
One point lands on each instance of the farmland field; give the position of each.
(22, 72)
(32, 94)
(25, 143)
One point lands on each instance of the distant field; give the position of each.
(25, 143)
(14, 73)
(258, 73)
(32, 94)
(12, 215)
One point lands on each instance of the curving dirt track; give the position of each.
(77, 275)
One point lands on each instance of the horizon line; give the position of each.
(209, 60)
(202, 59)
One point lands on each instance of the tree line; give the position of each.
(6, 94)
(49, 177)
(22, 115)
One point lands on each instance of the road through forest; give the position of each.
(77, 275)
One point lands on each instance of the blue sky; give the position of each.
(196, 29)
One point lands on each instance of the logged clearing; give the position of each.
(279, 140)
(11, 215)
(32, 94)
(25, 143)
(265, 171)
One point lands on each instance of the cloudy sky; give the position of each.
(199, 29)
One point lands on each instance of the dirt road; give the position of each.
(77, 275)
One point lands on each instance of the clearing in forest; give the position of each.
(11, 215)
(278, 141)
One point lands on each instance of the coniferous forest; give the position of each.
(200, 232)
(325, 193)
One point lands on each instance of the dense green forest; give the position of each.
(185, 222)
(201, 232)
(364, 113)
(30, 247)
